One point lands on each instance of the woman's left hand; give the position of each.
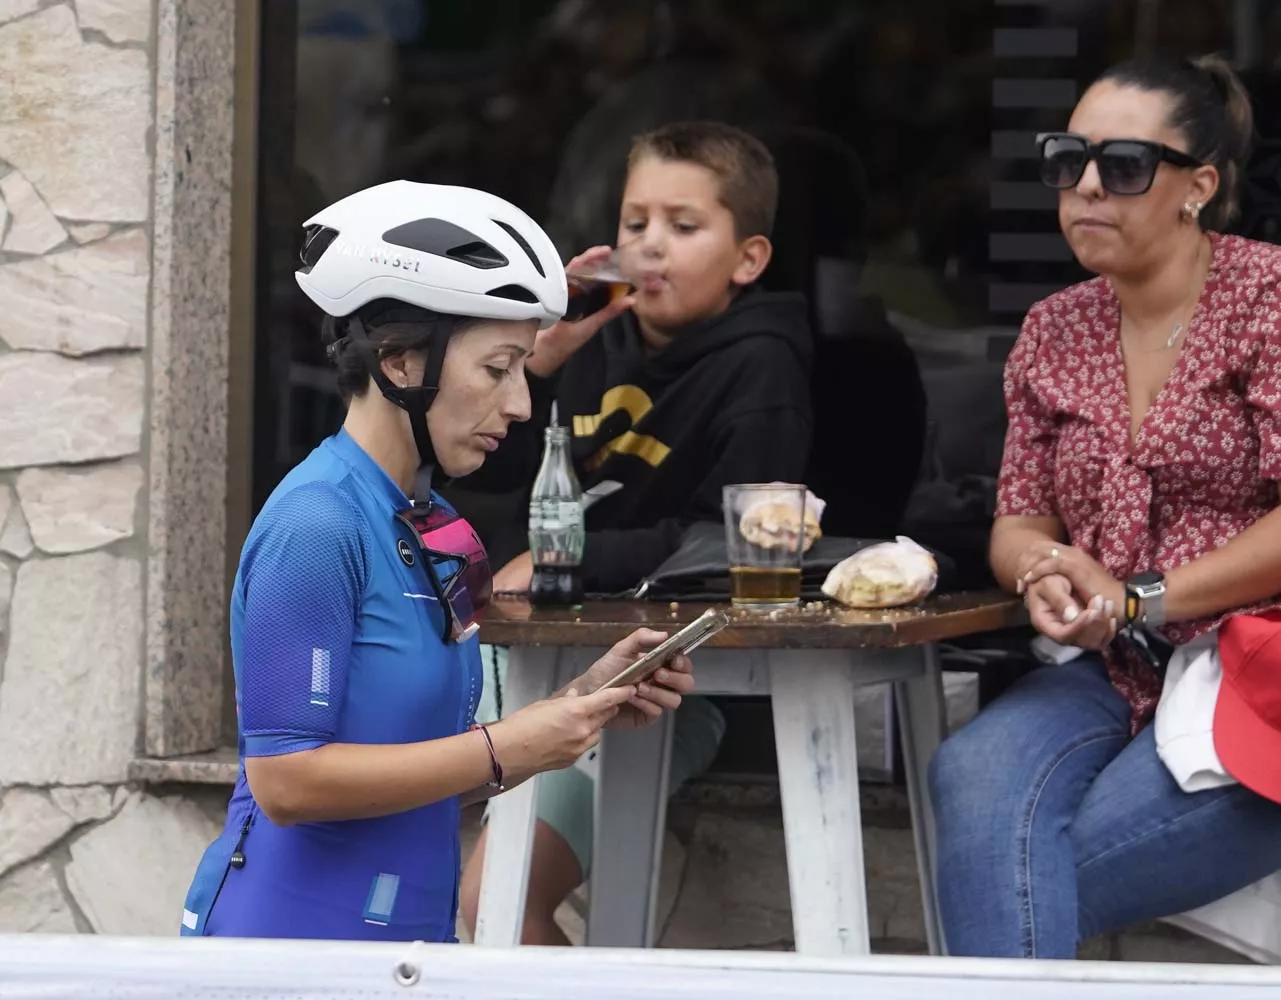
(1054, 611)
(1089, 580)
(661, 692)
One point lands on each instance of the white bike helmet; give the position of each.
(385, 254)
(453, 250)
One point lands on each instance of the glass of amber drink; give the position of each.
(595, 285)
(765, 537)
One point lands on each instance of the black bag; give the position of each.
(699, 569)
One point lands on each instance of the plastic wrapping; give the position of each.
(886, 575)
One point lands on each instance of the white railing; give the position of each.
(39, 967)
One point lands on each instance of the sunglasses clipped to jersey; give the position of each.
(1126, 166)
(456, 564)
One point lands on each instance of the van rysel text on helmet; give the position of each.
(377, 254)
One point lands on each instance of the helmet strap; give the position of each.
(414, 400)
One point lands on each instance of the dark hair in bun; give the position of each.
(1211, 107)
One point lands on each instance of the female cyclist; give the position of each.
(359, 592)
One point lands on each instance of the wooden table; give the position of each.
(809, 662)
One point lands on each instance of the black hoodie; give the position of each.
(726, 402)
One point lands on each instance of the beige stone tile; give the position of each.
(119, 20)
(55, 409)
(29, 825)
(75, 510)
(32, 902)
(32, 227)
(85, 664)
(88, 158)
(79, 301)
(131, 874)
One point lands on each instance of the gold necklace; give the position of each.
(1179, 327)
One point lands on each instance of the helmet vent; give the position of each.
(519, 293)
(445, 239)
(315, 242)
(524, 245)
(478, 254)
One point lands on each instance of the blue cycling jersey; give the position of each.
(335, 638)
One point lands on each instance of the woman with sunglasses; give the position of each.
(355, 608)
(1136, 511)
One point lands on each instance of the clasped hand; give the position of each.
(1070, 597)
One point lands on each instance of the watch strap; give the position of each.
(1154, 608)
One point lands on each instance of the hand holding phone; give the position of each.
(685, 641)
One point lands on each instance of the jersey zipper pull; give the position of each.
(238, 855)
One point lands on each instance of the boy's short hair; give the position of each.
(742, 164)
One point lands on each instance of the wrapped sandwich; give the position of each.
(886, 575)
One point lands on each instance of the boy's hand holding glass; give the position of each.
(599, 291)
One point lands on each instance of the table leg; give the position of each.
(630, 817)
(531, 675)
(812, 693)
(922, 718)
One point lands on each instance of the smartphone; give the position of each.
(686, 640)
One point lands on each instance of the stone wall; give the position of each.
(79, 849)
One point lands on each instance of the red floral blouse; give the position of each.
(1206, 457)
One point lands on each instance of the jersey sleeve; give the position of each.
(302, 578)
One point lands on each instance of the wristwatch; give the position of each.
(1145, 599)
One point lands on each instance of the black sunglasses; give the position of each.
(1126, 166)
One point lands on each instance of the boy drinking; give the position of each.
(695, 381)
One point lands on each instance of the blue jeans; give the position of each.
(1055, 826)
